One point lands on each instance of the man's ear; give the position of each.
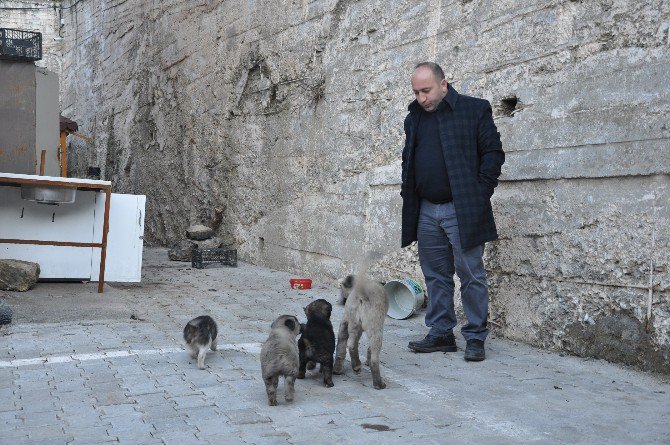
(444, 85)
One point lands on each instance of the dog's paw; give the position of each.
(301, 375)
(272, 402)
(311, 365)
(380, 385)
(288, 399)
(329, 384)
(356, 369)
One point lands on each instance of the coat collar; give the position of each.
(450, 98)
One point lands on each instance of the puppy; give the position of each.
(200, 335)
(365, 307)
(317, 343)
(280, 357)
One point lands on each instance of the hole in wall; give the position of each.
(508, 106)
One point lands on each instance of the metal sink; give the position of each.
(48, 195)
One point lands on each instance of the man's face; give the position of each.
(427, 90)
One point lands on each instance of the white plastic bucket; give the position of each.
(405, 298)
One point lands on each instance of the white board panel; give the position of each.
(56, 262)
(125, 239)
(22, 219)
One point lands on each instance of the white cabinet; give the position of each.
(82, 222)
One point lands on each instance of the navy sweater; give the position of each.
(432, 179)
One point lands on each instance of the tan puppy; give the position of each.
(279, 357)
(365, 307)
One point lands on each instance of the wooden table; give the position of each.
(11, 179)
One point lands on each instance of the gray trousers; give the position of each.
(440, 255)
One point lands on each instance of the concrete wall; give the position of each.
(47, 118)
(29, 113)
(38, 16)
(17, 117)
(283, 121)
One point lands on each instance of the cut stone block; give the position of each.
(199, 232)
(17, 275)
(181, 251)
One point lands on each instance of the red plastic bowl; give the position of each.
(300, 283)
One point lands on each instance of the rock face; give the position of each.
(289, 116)
(16, 275)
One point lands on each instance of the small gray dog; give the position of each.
(280, 357)
(200, 335)
(365, 307)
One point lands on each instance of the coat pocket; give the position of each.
(485, 190)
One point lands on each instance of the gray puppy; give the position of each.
(365, 307)
(280, 357)
(200, 335)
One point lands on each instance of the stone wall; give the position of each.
(282, 120)
(38, 16)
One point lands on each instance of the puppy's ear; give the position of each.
(330, 309)
(290, 324)
(348, 282)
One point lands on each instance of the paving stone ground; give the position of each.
(79, 367)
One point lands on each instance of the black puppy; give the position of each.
(317, 343)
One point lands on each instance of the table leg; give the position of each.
(103, 251)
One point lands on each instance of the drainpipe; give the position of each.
(61, 22)
(650, 297)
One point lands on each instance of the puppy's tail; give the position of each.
(361, 281)
(364, 266)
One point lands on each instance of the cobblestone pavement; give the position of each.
(78, 367)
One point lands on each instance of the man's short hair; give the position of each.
(434, 67)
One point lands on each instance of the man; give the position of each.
(450, 166)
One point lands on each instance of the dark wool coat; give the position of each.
(473, 155)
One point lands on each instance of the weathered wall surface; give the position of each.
(38, 16)
(283, 120)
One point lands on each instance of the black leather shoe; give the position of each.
(474, 350)
(432, 343)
